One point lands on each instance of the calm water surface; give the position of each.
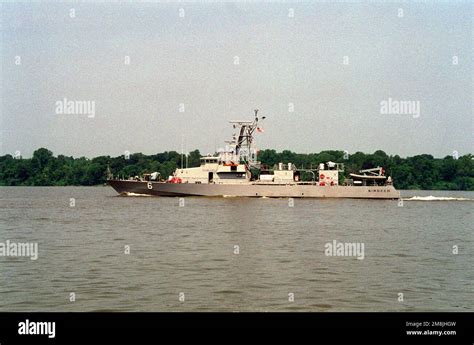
(190, 249)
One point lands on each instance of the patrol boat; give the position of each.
(235, 171)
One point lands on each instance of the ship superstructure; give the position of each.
(235, 171)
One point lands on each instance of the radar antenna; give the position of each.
(243, 149)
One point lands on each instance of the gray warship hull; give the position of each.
(236, 172)
(270, 190)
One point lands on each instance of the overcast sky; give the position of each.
(318, 71)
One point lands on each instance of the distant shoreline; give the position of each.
(420, 172)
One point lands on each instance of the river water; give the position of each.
(103, 252)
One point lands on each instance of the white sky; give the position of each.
(282, 60)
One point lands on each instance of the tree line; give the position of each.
(417, 172)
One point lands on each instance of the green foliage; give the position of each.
(418, 172)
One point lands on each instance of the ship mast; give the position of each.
(243, 146)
